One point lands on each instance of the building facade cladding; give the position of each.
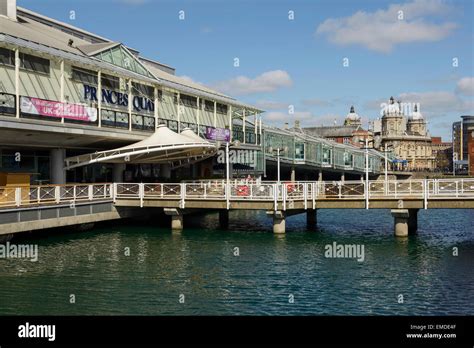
(128, 96)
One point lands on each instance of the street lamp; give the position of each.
(227, 170)
(227, 164)
(366, 147)
(387, 149)
(278, 149)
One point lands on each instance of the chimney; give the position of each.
(8, 9)
(297, 124)
(286, 125)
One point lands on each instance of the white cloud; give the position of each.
(438, 103)
(271, 105)
(316, 102)
(466, 86)
(266, 82)
(382, 30)
(285, 116)
(434, 104)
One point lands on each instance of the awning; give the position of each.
(164, 146)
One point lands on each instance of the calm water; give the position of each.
(200, 263)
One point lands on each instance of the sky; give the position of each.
(301, 59)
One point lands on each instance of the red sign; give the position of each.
(41, 107)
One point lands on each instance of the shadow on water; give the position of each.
(141, 267)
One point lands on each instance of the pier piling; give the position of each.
(405, 221)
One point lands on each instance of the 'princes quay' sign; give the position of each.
(118, 98)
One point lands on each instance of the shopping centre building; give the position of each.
(69, 99)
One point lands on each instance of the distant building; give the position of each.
(443, 153)
(460, 137)
(407, 136)
(350, 133)
(470, 148)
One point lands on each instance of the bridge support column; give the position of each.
(293, 174)
(405, 221)
(311, 218)
(343, 177)
(223, 219)
(177, 218)
(58, 174)
(279, 222)
(117, 172)
(320, 175)
(177, 222)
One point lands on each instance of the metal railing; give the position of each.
(307, 192)
(282, 194)
(24, 196)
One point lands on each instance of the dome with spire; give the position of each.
(352, 115)
(416, 115)
(393, 108)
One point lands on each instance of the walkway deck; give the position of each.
(278, 199)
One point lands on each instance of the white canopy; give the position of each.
(164, 146)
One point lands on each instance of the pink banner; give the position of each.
(50, 108)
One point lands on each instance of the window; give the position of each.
(85, 76)
(143, 90)
(34, 63)
(326, 155)
(209, 105)
(346, 140)
(27, 61)
(7, 57)
(221, 108)
(188, 100)
(110, 82)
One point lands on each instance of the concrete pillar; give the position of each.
(223, 219)
(58, 174)
(343, 177)
(293, 174)
(177, 222)
(405, 221)
(320, 175)
(117, 172)
(311, 218)
(279, 223)
(165, 171)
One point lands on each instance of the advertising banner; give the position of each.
(41, 107)
(221, 134)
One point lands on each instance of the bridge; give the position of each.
(39, 207)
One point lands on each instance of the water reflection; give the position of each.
(201, 263)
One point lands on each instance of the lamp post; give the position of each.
(386, 150)
(227, 161)
(366, 147)
(227, 170)
(277, 150)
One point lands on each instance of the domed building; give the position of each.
(352, 118)
(407, 136)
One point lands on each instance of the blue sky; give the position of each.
(299, 62)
